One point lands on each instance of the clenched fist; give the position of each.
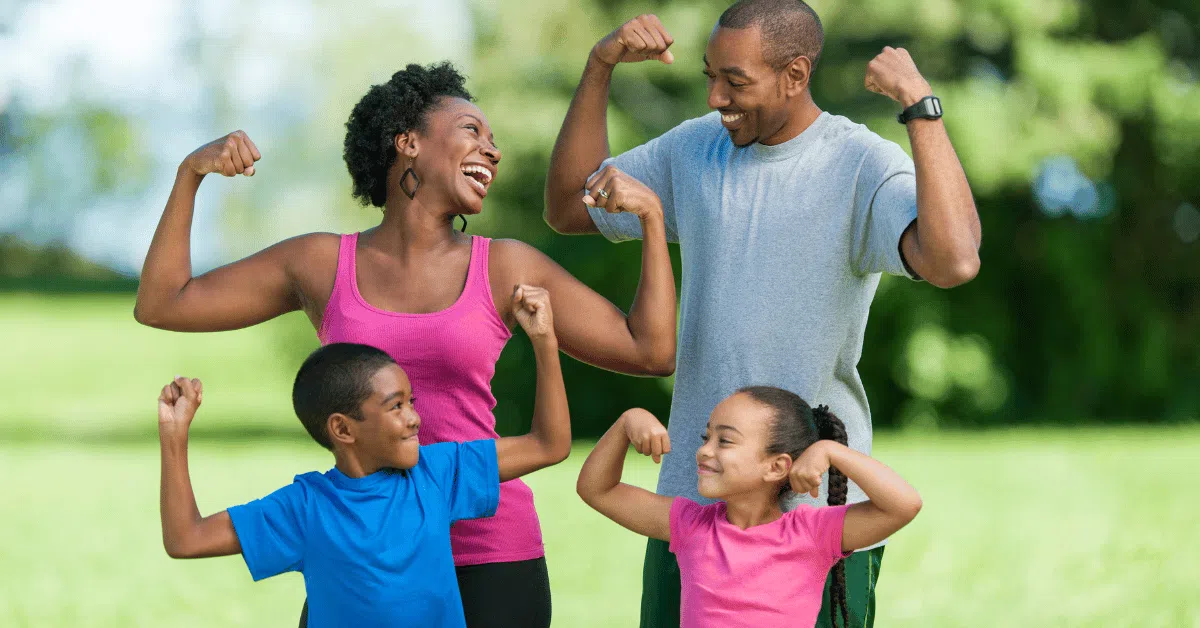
(640, 39)
(231, 155)
(616, 192)
(531, 307)
(894, 74)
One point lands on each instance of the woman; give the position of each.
(436, 299)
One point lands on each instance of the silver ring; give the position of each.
(603, 194)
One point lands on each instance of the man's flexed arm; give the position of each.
(943, 245)
(583, 140)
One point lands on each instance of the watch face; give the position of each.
(935, 106)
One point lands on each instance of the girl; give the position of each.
(742, 561)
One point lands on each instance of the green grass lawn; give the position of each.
(1019, 529)
(1082, 527)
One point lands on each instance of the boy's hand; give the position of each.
(807, 470)
(531, 307)
(646, 433)
(177, 405)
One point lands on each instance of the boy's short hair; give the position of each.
(335, 379)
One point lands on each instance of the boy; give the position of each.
(371, 535)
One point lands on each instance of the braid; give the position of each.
(829, 427)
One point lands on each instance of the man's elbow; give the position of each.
(957, 272)
(912, 506)
(558, 220)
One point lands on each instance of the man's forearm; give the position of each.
(948, 228)
(581, 147)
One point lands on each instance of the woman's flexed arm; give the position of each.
(241, 294)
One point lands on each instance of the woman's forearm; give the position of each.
(652, 317)
(168, 265)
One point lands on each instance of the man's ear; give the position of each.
(342, 429)
(797, 75)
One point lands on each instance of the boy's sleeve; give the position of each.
(885, 204)
(649, 163)
(271, 531)
(685, 518)
(825, 525)
(469, 476)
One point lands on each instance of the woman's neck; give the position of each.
(413, 225)
(752, 509)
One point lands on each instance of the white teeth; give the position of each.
(487, 175)
(731, 117)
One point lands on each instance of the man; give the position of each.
(786, 216)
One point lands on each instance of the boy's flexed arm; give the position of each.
(892, 504)
(549, 439)
(634, 508)
(185, 533)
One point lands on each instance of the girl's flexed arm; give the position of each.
(892, 504)
(600, 485)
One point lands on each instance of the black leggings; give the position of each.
(500, 595)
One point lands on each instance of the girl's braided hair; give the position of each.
(797, 426)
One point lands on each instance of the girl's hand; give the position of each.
(231, 155)
(531, 307)
(616, 192)
(646, 433)
(807, 470)
(177, 405)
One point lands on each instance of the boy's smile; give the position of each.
(387, 435)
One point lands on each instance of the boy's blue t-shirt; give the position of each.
(374, 551)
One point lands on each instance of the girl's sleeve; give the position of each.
(825, 524)
(685, 519)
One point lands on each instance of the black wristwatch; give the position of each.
(928, 108)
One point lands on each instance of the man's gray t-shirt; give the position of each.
(782, 249)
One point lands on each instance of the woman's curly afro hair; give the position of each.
(386, 111)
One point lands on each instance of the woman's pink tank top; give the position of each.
(450, 357)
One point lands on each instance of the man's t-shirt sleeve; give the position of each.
(468, 475)
(885, 204)
(649, 163)
(271, 531)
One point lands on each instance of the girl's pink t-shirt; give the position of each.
(450, 358)
(768, 575)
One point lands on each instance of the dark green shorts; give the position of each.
(660, 588)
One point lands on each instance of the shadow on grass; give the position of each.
(138, 435)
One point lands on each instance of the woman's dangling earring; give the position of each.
(464, 219)
(416, 180)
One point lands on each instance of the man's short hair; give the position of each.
(790, 29)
